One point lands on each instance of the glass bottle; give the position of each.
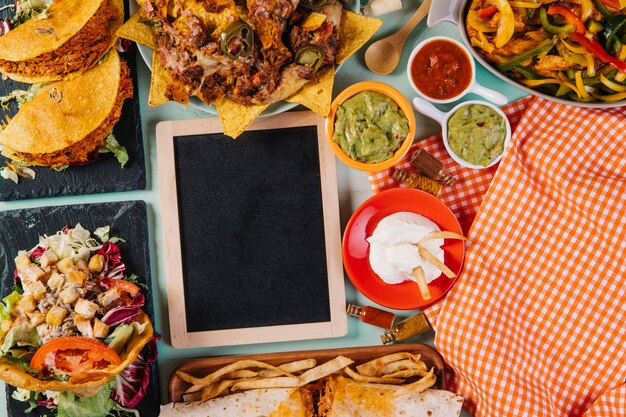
(372, 315)
(419, 182)
(406, 329)
(431, 167)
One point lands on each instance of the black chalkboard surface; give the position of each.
(104, 175)
(21, 230)
(254, 249)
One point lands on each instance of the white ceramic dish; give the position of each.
(453, 11)
(473, 87)
(427, 109)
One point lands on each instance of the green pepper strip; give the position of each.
(554, 29)
(542, 47)
(602, 9)
(569, 16)
(612, 28)
(527, 73)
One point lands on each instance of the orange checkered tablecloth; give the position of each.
(536, 323)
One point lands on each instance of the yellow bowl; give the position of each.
(393, 94)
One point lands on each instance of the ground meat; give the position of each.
(324, 37)
(80, 152)
(79, 52)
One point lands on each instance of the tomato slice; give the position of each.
(121, 284)
(73, 355)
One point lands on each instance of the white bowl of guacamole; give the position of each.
(475, 133)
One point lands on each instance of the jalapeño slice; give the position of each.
(237, 40)
(310, 55)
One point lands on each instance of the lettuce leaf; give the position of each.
(6, 307)
(21, 334)
(100, 405)
(112, 145)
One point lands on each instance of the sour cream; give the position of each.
(393, 254)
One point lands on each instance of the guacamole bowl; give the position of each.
(405, 138)
(476, 139)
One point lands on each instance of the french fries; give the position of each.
(400, 368)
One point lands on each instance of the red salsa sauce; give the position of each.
(441, 70)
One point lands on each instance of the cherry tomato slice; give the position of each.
(73, 355)
(121, 284)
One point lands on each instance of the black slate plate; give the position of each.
(21, 230)
(103, 176)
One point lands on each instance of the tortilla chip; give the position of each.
(14, 375)
(137, 31)
(318, 95)
(354, 32)
(313, 21)
(160, 82)
(236, 117)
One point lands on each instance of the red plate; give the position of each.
(355, 249)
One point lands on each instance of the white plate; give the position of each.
(195, 102)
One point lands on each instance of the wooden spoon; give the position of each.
(382, 56)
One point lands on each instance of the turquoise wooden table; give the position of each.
(353, 190)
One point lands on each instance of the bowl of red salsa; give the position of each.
(442, 70)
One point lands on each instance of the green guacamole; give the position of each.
(476, 134)
(370, 127)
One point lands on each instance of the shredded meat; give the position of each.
(80, 152)
(325, 37)
(270, 18)
(79, 52)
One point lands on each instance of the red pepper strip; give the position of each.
(487, 12)
(569, 16)
(594, 47)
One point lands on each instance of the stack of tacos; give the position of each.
(67, 121)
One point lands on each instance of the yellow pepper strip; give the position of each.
(535, 83)
(591, 64)
(506, 25)
(525, 4)
(575, 49)
(610, 97)
(580, 86)
(612, 85)
(621, 76)
(482, 43)
(478, 23)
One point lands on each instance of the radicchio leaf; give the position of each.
(121, 315)
(36, 253)
(113, 266)
(5, 26)
(132, 383)
(48, 402)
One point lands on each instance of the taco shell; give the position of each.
(16, 376)
(72, 37)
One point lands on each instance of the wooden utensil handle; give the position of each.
(417, 17)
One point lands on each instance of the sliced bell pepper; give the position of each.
(487, 12)
(594, 47)
(569, 16)
(554, 29)
(506, 25)
(542, 47)
(613, 27)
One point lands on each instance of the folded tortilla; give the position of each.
(71, 37)
(348, 398)
(70, 119)
(86, 385)
(269, 402)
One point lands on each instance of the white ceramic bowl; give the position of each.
(473, 87)
(427, 109)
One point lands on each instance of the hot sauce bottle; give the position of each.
(406, 329)
(372, 315)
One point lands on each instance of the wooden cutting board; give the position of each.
(203, 366)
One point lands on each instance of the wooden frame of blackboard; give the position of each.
(180, 336)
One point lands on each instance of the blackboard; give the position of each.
(251, 232)
(21, 230)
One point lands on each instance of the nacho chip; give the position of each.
(354, 32)
(313, 21)
(236, 117)
(317, 96)
(159, 84)
(138, 29)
